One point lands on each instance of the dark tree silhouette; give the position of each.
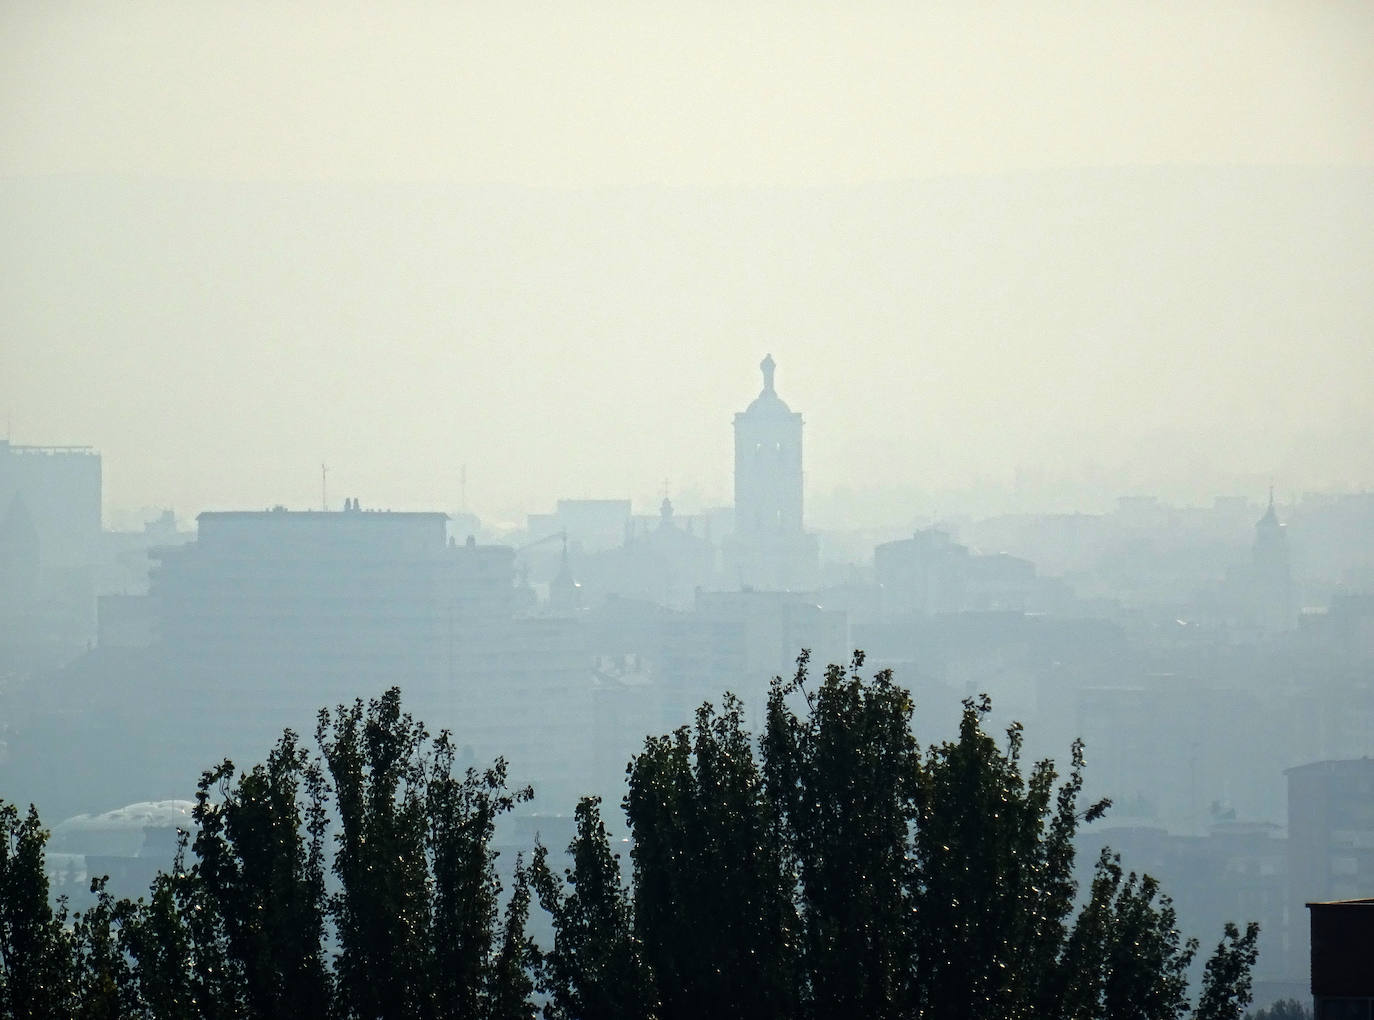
(830, 869)
(866, 878)
(261, 854)
(36, 970)
(712, 903)
(594, 968)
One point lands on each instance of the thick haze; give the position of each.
(1073, 251)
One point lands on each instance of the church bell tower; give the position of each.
(769, 550)
(768, 464)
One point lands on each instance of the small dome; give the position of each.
(135, 816)
(768, 401)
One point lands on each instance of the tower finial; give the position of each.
(767, 365)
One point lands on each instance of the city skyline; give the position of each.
(1118, 253)
(643, 357)
(1093, 488)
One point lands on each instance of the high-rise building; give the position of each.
(279, 612)
(270, 615)
(60, 486)
(49, 540)
(1330, 842)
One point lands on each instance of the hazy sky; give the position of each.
(552, 242)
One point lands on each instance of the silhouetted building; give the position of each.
(270, 615)
(316, 593)
(769, 549)
(60, 485)
(1343, 959)
(922, 574)
(1330, 841)
(49, 533)
(663, 561)
(930, 573)
(277, 612)
(768, 464)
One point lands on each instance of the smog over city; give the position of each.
(492, 386)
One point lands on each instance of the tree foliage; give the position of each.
(594, 968)
(829, 868)
(35, 966)
(843, 782)
(706, 860)
(261, 875)
(929, 883)
(412, 927)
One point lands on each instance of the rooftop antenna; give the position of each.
(324, 487)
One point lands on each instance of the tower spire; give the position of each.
(1271, 517)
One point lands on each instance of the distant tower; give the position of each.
(768, 465)
(769, 549)
(1272, 574)
(565, 594)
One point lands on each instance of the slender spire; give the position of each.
(1271, 517)
(564, 589)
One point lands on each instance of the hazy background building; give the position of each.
(50, 504)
